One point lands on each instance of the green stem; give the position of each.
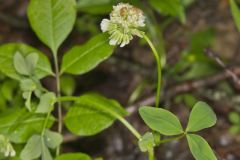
(172, 139)
(151, 154)
(58, 92)
(121, 119)
(45, 123)
(159, 68)
(67, 98)
(130, 127)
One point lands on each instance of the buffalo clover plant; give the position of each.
(89, 113)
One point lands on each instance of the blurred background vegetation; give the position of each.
(181, 30)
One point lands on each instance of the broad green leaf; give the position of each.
(20, 124)
(83, 58)
(47, 101)
(201, 116)
(92, 113)
(146, 142)
(32, 150)
(200, 148)
(31, 61)
(52, 139)
(73, 156)
(161, 120)
(7, 52)
(52, 20)
(169, 7)
(46, 155)
(235, 13)
(96, 7)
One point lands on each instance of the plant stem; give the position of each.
(159, 68)
(130, 127)
(57, 75)
(45, 123)
(67, 98)
(172, 139)
(151, 154)
(121, 119)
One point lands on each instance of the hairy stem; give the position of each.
(159, 68)
(58, 92)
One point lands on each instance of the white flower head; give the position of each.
(125, 21)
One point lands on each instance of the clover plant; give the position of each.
(31, 124)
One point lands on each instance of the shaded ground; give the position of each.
(118, 76)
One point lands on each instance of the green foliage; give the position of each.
(7, 52)
(19, 125)
(234, 118)
(52, 20)
(161, 120)
(102, 111)
(73, 156)
(173, 8)
(52, 139)
(95, 7)
(83, 58)
(146, 142)
(68, 85)
(201, 116)
(235, 13)
(25, 65)
(47, 101)
(200, 148)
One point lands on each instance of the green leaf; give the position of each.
(68, 85)
(92, 113)
(161, 120)
(95, 7)
(52, 20)
(234, 117)
(47, 101)
(20, 64)
(27, 85)
(73, 156)
(83, 58)
(32, 150)
(200, 148)
(7, 52)
(235, 13)
(201, 116)
(169, 7)
(146, 142)
(8, 89)
(52, 139)
(35, 148)
(20, 124)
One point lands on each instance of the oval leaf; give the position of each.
(92, 113)
(47, 101)
(52, 20)
(83, 58)
(200, 148)
(73, 156)
(161, 120)
(201, 116)
(7, 51)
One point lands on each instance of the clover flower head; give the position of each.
(6, 147)
(125, 21)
